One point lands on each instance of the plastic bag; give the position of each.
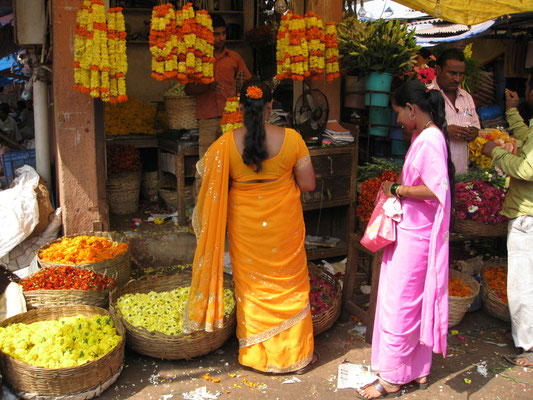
(381, 229)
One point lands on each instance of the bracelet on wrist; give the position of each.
(394, 190)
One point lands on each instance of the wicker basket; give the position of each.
(170, 347)
(169, 196)
(118, 267)
(323, 321)
(81, 382)
(492, 304)
(149, 184)
(474, 228)
(123, 191)
(458, 306)
(181, 112)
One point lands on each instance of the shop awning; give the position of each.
(469, 12)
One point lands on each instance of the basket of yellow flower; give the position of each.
(105, 253)
(71, 351)
(151, 310)
(463, 290)
(325, 298)
(494, 290)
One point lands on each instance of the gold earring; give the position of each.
(412, 117)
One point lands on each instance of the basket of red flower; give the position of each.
(494, 290)
(124, 178)
(325, 298)
(463, 290)
(66, 285)
(477, 209)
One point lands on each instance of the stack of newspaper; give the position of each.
(337, 134)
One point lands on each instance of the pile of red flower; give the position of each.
(122, 158)
(322, 295)
(369, 192)
(479, 201)
(65, 278)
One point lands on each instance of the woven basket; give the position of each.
(492, 304)
(458, 306)
(149, 184)
(169, 196)
(80, 382)
(474, 228)
(181, 112)
(51, 298)
(118, 267)
(170, 347)
(123, 191)
(323, 321)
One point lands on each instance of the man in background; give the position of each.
(229, 71)
(10, 134)
(463, 121)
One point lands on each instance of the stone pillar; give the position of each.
(329, 11)
(80, 140)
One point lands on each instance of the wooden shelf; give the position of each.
(317, 253)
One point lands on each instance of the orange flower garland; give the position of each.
(283, 58)
(369, 192)
(317, 45)
(81, 75)
(162, 42)
(457, 288)
(496, 278)
(231, 117)
(332, 52)
(82, 249)
(116, 39)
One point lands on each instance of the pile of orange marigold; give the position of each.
(82, 249)
(496, 278)
(369, 192)
(457, 288)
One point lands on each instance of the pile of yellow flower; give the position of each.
(231, 117)
(163, 311)
(66, 342)
(304, 50)
(129, 118)
(500, 137)
(182, 44)
(100, 61)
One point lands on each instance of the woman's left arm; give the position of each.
(421, 192)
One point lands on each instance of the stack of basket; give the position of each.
(123, 189)
(181, 112)
(458, 306)
(80, 382)
(170, 347)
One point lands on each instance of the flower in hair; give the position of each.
(253, 92)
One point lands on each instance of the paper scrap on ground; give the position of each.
(292, 380)
(354, 376)
(359, 329)
(152, 217)
(201, 393)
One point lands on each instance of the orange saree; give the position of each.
(266, 233)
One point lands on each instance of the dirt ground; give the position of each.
(473, 369)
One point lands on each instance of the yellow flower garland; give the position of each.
(231, 117)
(332, 52)
(317, 45)
(116, 37)
(81, 75)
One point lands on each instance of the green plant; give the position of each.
(376, 46)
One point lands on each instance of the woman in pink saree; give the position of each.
(411, 319)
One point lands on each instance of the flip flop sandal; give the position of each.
(528, 355)
(309, 366)
(381, 389)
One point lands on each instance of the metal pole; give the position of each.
(40, 115)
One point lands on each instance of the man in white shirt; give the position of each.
(463, 121)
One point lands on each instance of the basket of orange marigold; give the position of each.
(462, 290)
(104, 253)
(494, 290)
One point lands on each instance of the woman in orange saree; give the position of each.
(268, 167)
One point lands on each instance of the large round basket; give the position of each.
(118, 267)
(458, 306)
(181, 112)
(74, 383)
(169, 196)
(170, 347)
(123, 191)
(323, 321)
(470, 227)
(491, 303)
(149, 184)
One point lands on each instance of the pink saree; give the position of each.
(412, 310)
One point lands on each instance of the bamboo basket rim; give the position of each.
(471, 282)
(325, 320)
(470, 227)
(491, 302)
(65, 376)
(459, 305)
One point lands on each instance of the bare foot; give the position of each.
(524, 361)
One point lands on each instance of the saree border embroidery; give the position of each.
(294, 367)
(302, 161)
(265, 335)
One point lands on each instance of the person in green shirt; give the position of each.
(518, 207)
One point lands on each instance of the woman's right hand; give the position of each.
(511, 99)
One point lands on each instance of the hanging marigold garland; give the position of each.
(162, 38)
(332, 52)
(231, 117)
(205, 40)
(97, 52)
(305, 49)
